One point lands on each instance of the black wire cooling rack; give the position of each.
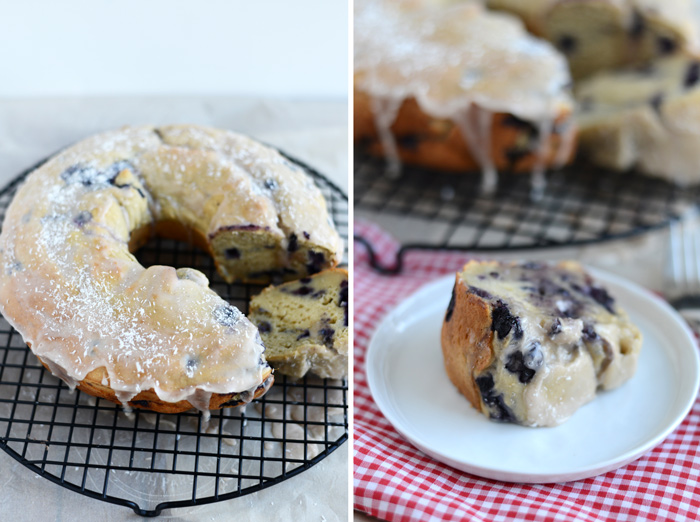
(581, 204)
(151, 461)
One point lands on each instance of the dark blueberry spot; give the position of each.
(327, 336)
(318, 293)
(451, 306)
(666, 45)
(567, 44)
(638, 26)
(82, 174)
(603, 298)
(589, 334)
(502, 322)
(532, 265)
(598, 294)
(264, 327)
(191, 364)
(514, 155)
(302, 290)
(495, 275)
(293, 244)
(305, 280)
(142, 403)
(14, 267)
(497, 406)
(479, 292)
(556, 327)
(656, 102)
(316, 262)
(227, 315)
(516, 364)
(303, 335)
(343, 299)
(408, 141)
(692, 75)
(271, 184)
(82, 218)
(307, 235)
(485, 383)
(232, 253)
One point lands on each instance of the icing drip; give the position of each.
(475, 125)
(538, 180)
(384, 111)
(566, 146)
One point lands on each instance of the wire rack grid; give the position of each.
(581, 204)
(150, 461)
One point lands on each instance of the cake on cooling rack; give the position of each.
(644, 118)
(604, 34)
(156, 337)
(304, 325)
(530, 343)
(459, 88)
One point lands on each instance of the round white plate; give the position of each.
(408, 382)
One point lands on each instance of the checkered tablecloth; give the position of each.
(395, 481)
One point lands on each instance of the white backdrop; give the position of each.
(265, 48)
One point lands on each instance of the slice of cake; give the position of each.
(645, 118)
(531, 343)
(603, 34)
(304, 325)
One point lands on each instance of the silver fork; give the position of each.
(683, 279)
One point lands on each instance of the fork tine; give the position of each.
(691, 275)
(677, 258)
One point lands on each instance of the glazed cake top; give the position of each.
(449, 58)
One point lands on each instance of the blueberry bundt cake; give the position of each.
(605, 34)
(645, 118)
(458, 88)
(156, 337)
(531, 343)
(304, 325)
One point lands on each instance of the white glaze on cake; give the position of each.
(462, 63)
(75, 293)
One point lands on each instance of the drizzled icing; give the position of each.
(71, 288)
(461, 63)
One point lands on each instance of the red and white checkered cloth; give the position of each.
(395, 481)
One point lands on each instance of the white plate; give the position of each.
(408, 382)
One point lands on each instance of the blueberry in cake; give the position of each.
(644, 117)
(304, 325)
(530, 343)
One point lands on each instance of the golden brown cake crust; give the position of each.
(431, 142)
(466, 341)
(148, 400)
